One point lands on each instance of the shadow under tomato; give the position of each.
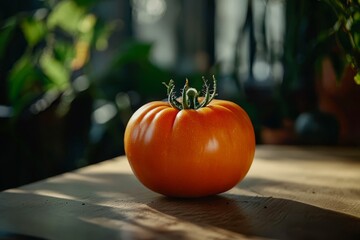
(261, 217)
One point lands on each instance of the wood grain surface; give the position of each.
(289, 193)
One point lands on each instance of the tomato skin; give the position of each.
(190, 153)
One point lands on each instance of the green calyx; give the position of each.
(190, 96)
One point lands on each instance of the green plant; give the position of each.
(346, 30)
(59, 39)
(49, 87)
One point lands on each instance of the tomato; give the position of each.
(191, 149)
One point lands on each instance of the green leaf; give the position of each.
(86, 28)
(357, 40)
(102, 33)
(5, 34)
(66, 15)
(87, 23)
(64, 52)
(357, 78)
(23, 84)
(21, 77)
(55, 71)
(356, 16)
(34, 30)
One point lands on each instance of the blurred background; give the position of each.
(73, 71)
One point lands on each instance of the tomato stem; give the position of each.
(190, 96)
(184, 102)
(171, 95)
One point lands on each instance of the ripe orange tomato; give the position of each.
(185, 151)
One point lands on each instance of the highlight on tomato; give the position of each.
(192, 146)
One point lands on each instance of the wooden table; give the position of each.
(289, 193)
